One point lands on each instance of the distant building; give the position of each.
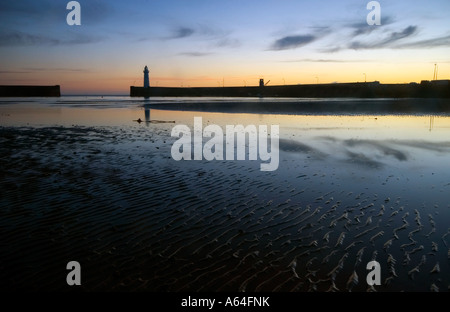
(146, 79)
(440, 82)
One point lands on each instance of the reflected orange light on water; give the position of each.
(375, 127)
(434, 128)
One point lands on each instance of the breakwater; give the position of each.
(426, 89)
(30, 91)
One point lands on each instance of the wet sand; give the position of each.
(114, 200)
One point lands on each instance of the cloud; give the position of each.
(292, 42)
(387, 42)
(14, 72)
(196, 54)
(182, 32)
(325, 61)
(211, 36)
(429, 43)
(332, 49)
(227, 42)
(202, 31)
(395, 36)
(56, 69)
(31, 70)
(385, 38)
(17, 38)
(363, 28)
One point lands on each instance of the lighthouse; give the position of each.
(146, 79)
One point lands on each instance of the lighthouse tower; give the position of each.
(146, 79)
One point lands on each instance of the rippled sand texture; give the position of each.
(114, 200)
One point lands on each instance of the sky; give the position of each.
(215, 43)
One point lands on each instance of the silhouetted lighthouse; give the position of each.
(146, 79)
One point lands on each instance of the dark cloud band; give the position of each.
(292, 42)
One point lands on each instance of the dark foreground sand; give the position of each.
(136, 220)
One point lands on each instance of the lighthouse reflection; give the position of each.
(147, 114)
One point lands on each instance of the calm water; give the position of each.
(398, 162)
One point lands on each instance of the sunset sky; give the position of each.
(211, 43)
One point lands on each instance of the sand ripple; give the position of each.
(115, 201)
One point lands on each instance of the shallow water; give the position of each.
(82, 180)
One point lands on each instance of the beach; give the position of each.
(82, 180)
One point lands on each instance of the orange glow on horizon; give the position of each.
(119, 82)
